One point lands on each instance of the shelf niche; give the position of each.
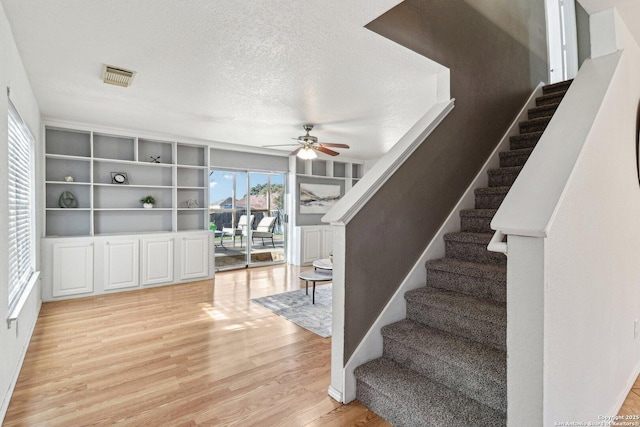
(113, 147)
(148, 149)
(191, 155)
(68, 143)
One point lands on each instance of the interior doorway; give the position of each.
(562, 39)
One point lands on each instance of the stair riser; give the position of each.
(526, 127)
(562, 87)
(475, 224)
(391, 411)
(541, 102)
(469, 382)
(495, 290)
(486, 201)
(519, 142)
(544, 111)
(473, 252)
(477, 330)
(384, 406)
(502, 179)
(507, 161)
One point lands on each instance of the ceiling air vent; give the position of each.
(117, 76)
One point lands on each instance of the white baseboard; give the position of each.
(623, 394)
(335, 394)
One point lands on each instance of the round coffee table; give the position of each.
(315, 276)
(323, 264)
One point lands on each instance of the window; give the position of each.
(21, 206)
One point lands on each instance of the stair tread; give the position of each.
(492, 190)
(556, 87)
(525, 136)
(505, 170)
(480, 213)
(516, 152)
(468, 237)
(537, 120)
(422, 401)
(545, 107)
(477, 308)
(469, 268)
(457, 351)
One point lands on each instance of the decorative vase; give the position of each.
(147, 205)
(67, 200)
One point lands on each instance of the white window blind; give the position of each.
(21, 206)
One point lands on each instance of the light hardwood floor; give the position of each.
(194, 354)
(631, 405)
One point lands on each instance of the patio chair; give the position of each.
(240, 230)
(264, 230)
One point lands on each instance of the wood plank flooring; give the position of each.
(631, 405)
(194, 354)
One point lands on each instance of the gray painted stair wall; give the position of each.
(445, 364)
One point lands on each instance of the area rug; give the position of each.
(296, 307)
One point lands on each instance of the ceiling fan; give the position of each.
(309, 145)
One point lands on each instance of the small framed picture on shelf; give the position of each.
(119, 178)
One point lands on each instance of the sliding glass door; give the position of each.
(266, 203)
(247, 211)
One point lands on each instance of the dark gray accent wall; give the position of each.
(492, 74)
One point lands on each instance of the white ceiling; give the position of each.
(240, 72)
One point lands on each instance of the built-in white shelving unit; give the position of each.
(312, 239)
(349, 172)
(178, 183)
(109, 242)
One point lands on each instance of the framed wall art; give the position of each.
(318, 198)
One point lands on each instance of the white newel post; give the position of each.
(336, 389)
(525, 331)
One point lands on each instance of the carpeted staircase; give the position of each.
(445, 364)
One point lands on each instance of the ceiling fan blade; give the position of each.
(279, 145)
(328, 144)
(294, 152)
(326, 151)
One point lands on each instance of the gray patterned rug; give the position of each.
(296, 307)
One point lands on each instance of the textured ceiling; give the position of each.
(240, 72)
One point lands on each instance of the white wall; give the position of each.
(14, 341)
(592, 271)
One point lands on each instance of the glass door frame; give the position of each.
(248, 211)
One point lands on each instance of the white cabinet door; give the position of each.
(157, 261)
(121, 263)
(327, 242)
(311, 244)
(194, 257)
(72, 268)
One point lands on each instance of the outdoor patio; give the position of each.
(228, 253)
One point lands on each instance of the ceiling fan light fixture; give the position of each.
(307, 153)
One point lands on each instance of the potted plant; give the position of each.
(148, 202)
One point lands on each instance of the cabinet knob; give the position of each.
(107, 243)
